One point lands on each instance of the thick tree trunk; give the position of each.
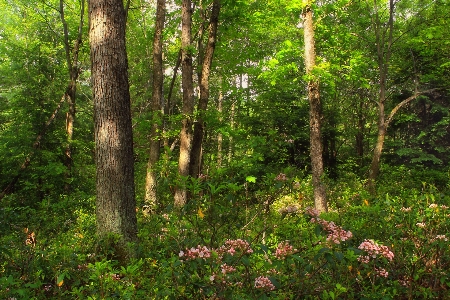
(316, 150)
(180, 198)
(199, 126)
(116, 204)
(158, 80)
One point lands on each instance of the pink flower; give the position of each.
(283, 250)
(373, 250)
(281, 177)
(263, 282)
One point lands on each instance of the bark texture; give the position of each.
(116, 205)
(316, 150)
(199, 126)
(157, 100)
(180, 198)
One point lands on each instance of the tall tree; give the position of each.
(320, 199)
(71, 91)
(115, 204)
(199, 125)
(188, 103)
(157, 99)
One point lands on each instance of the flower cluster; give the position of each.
(284, 249)
(290, 209)
(281, 177)
(439, 237)
(193, 253)
(311, 212)
(263, 282)
(227, 269)
(380, 272)
(373, 250)
(336, 234)
(231, 246)
(421, 225)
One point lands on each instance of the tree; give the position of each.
(157, 99)
(180, 198)
(315, 113)
(71, 91)
(199, 125)
(115, 203)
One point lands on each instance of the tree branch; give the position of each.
(403, 103)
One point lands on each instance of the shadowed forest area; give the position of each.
(224, 149)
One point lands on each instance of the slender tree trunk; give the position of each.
(158, 81)
(219, 135)
(199, 126)
(316, 151)
(116, 204)
(384, 50)
(72, 64)
(180, 198)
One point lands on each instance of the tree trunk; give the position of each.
(72, 65)
(199, 126)
(219, 135)
(316, 151)
(180, 198)
(383, 55)
(158, 80)
(116, 204)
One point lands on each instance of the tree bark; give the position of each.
(116, 204)
(315, 116)
(199, 126)
(180, 198)
(157, 100)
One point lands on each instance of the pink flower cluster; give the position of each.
(227, 269)
(284, 249)
(336, 234)
(373, 250)
(263, 282)
(231, 246)
(381, 272)
(311, 212)
(193, 253)
(281, 177)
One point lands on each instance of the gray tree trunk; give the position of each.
(115, 204)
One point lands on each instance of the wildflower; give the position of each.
(193, 253)
(439, 237)
(227, 269)
(373, 250)
(444, 206)
(380, 272)
(232, 246)
(421, 225)
(336, 234)
(281, 177)
(405, 209)
(312, 212)
(263, 282)
(433, 205)
(289, 209)
(212, 277)
(283, 250)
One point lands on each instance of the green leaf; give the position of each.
(251, 179)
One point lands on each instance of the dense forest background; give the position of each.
(236, 220)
